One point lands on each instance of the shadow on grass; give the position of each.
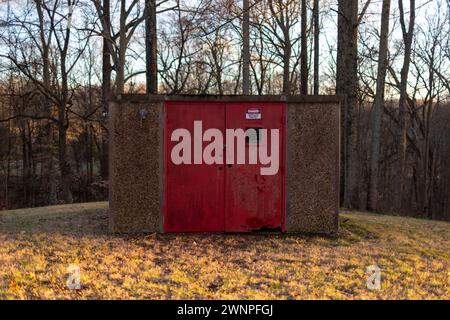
(88, 222)
(92, 219)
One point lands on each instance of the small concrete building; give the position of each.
(170, 172)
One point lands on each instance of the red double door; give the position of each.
(225, 195)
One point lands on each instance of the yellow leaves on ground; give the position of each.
(38, 245)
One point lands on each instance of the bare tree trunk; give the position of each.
(286, 69)
(48, 165)
(352, 192)
(246, 49)
(106, 92)
(106, 62)
(401, 137)
(377, 106)
(304, 51)
(64, 165)
(120, 66)
(347, 85)
(151, 47)
(433, 175)
(26, 162)
(8, 168)
(88, 137)
(66, 172)
(63, 119)
(340, 89)
(426, 153)
(287, 46)
(316, 45)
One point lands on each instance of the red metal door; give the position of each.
(255, 201)
(194, 193)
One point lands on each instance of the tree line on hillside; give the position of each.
(62, 60)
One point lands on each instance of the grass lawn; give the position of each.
(37, 245)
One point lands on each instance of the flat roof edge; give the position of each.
(231, 98)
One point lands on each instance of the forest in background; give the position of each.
(62, 60)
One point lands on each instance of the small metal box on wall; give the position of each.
(224, 163)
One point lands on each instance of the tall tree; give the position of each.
(407, 33)
(106, 58)
(64, 104)
(151, 46)
(130, 18)
(316, 45)
(282, 13)
(304, 50)
(377, 107)
(45, 36)
(246, 48)
(106, 88)
(57, 18)
(347, 85)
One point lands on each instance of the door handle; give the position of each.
(229, 166)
